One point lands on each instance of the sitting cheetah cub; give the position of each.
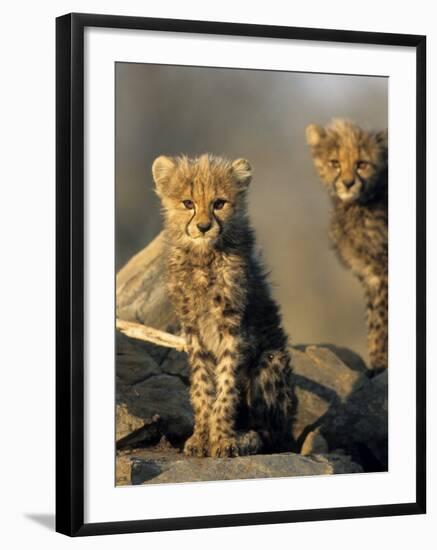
(240, 376)
(353, 165)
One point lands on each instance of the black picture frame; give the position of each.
(70, 273)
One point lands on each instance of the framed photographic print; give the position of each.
(240, 274)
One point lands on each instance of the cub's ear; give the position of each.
(314, 134)
(382, 138)
(242, 172)
(162, 169)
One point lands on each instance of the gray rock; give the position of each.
(323, 382)
(336, 399)
(349, 357)
(341, 407)
(346, 408)
(360, 425)
(151, 393)
(314, 443)
(134, 360)
(164, 396)
(132, 430)
(126, 423)
(143, 470)
(176, 364)
(148, 466)
(140, 293)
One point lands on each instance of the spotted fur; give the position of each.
(241, 388)
(353, 165)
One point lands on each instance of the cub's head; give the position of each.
(351, 162)
(203, 198)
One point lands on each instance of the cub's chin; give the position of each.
(351, 194)
(204, 241)
(200, 239)
(348, 197)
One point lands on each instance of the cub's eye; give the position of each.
(362, 164)
(218, 204)
(333, 163)
(189, 205)
(270, 356)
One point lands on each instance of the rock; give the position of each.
(131, 429)
(162, 395)
(123, 467)
(360, 425)
(339, 407)
(151, 393)
(176, 364)
(126, 423)
(349, 357)
(323, 382)
(148, 466)
(140, 293)
(134, 360)
(143, 470)
(314, 444)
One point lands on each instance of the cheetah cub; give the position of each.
(353, 165)
(240, 378)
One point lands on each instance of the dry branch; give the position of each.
(149, 334)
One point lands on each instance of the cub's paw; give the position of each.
(249, 443)
(196, 445)
(224, 447)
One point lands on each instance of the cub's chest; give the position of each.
(204, 290)
(204, 284)
(359, 237)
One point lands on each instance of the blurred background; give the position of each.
(259, 115)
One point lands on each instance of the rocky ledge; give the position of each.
(341, 419)
(340, 426)
(157, 466)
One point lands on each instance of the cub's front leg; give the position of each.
(377, 324)
(202, 392)
(223, 438)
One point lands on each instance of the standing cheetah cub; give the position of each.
(240, 377)
(353, 165)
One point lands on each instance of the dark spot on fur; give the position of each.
(229, 353)
(230, 312)
(203, 355)
(226, 411)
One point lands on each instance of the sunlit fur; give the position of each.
(241, 387)
(203, 181)
(343, 152)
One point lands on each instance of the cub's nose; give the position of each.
(204, 226)
(348, 183)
